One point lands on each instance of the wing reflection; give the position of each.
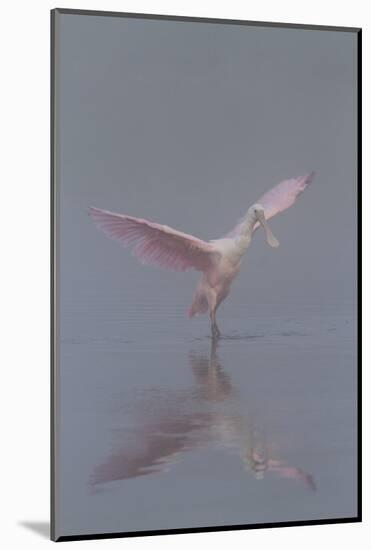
(260, 461)
(151, 449)
(179, 422)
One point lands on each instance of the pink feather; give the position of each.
(279, 198)
(157, 244)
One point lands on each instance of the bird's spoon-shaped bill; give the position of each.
(271, 239)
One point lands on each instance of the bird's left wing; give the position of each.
(279, 198)
(283, 195)
(157, 244)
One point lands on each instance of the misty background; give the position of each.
(187, 124)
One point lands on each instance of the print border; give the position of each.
(54, 283)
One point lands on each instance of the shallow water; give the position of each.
(161, 429)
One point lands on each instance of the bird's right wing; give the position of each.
(279, 198)
(157, 244)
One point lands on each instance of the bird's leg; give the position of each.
(212, 301)
(215, 332)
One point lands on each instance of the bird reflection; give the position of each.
(212, 382)
(182, 421)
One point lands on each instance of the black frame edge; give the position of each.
(359, 271)
(52, 276)
(185, 18)
(66, 538)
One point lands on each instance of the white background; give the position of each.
(24, 272)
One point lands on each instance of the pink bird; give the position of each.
(219, 260)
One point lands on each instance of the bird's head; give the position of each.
(257, 211)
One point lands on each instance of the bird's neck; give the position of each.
(246, 232)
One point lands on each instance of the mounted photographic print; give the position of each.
(205, 285)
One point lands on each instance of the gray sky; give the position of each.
(188, 124)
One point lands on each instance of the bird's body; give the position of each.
(219, 260)
(214, 285)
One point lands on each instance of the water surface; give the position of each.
(162, 429)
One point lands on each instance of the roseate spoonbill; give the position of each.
(219, 260)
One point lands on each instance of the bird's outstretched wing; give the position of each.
(279, 198)
(157, 244)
